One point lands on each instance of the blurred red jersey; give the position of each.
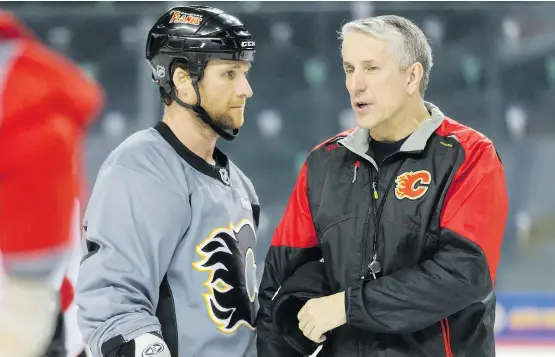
(46, 105)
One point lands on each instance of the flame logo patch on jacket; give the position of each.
(228, 255)
(412, 185)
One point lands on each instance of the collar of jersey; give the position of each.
(193, 159)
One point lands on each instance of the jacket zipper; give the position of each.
(374, 267)
(364, 240)
(374, 263)
(371, 207)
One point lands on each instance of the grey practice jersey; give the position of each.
(171, 248)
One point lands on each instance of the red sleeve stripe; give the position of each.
(476, 203)
(296, 229)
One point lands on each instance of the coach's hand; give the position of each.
(321, 315)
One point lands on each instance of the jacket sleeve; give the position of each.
(294, 243)
(132, 226)
(461, 273)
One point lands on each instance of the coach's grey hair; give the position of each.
(408, 43)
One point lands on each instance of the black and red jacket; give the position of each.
(433, 216)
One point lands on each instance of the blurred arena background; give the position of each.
(494, 70)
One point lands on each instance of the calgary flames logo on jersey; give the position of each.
(412, 185)
(227, 254)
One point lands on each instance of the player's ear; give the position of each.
(181, 79)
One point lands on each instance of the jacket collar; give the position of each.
(358, 140)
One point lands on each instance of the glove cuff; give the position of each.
(147, 345)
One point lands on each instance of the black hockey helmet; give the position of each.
(193, 35)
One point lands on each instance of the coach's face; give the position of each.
(224, 90)
(376, 85)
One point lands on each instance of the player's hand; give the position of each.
(321, 315)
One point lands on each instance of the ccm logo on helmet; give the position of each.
(247, 43)
(412, 185)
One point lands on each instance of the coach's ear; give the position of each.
(414, 76)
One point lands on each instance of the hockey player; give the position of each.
(46, 103)
(171, 224)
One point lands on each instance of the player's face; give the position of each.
(377, 87)
(224, 90)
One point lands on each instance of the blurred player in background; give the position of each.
(171, 224)
(46, 104)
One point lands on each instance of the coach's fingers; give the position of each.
(301, 313)
(316, 335)
(307, 329)
(302, 323)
